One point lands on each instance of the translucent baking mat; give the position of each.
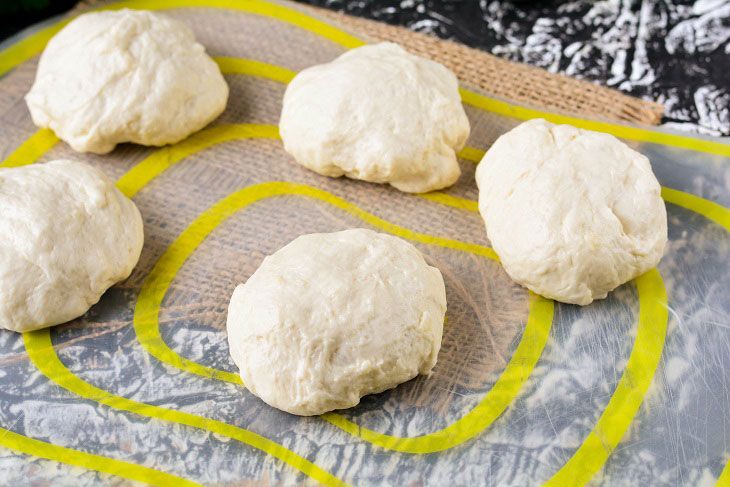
(631, 390)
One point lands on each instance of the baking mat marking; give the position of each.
(40, 350)
(31, 446)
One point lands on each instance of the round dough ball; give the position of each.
(125, 76)
(572, 214)
(332, 317)
(379, 114)
(68, 235)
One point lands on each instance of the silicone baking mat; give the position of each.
(631, 390)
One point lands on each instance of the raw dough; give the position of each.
(125, 76)
(332, 317)
(571, 213)
(68, 235)
(379, 114)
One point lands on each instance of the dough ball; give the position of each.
(379, 114)
(572, 214)
(332, 317)
(125, 76)
(68, 235)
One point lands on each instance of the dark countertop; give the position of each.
(676, 53)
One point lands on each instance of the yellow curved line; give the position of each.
(160, 160)
(33, 44)
(163, 158)
(147, 309)
(40, 350)
(499, 397)
(31, 446)
(450, 200)
(234, 65)
(623, 131)
(471, 154)
(30, 150)
(699, 205)
(630, 392)
(724, 479)
(717, 213)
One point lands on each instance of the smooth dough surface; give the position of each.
(125, 76)
(332, 317)
(379, 114)
(68, 235)
(571, 213)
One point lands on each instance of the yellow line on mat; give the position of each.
(31, 446)
(724, 478)
(622, 131)
(450, 200)
(40, 350)
(147, 309)
(630, 392)
(160, 160)
(232, 65)
(494, 403)
(617, 416)
(30, 150)
(471, 154)
(709, 209)
(283, 75)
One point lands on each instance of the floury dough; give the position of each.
(332, 317)
(68, 235)
(379, 114)
(125, 76)
(571, 213)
